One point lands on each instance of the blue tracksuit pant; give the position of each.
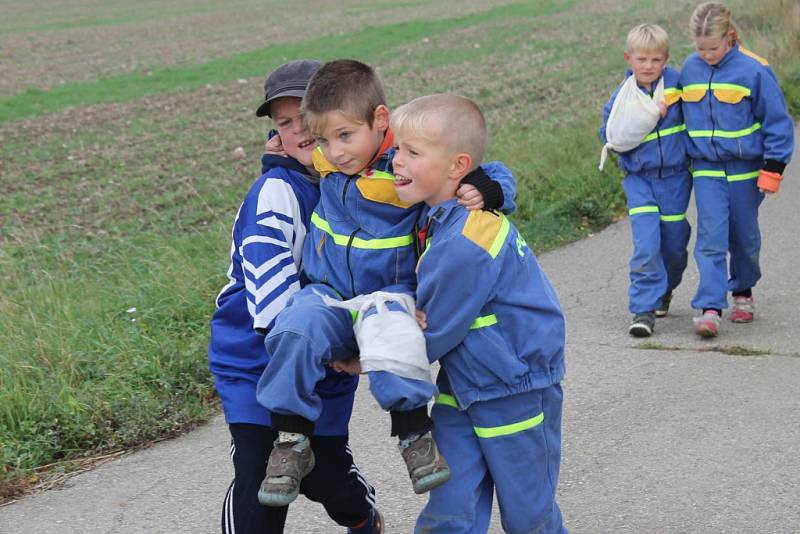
(308, 335)
(657, 210)
(727, 199)
(511, 446)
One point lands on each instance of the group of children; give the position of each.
(725, 131)
(354, 200)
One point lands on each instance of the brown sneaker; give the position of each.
(427, 468)
(288, 463)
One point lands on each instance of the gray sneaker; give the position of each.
(663, 308)
(427, 468)
(288, 463)
(643, 324)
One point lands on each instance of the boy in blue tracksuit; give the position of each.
(741, 139)
(657, 184)
(360, 241)
(493, 321)
(267, 241)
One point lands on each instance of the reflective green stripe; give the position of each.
(744, 176)
(721, 174)
(482, 322)
(725, 134)
(354, 315)
(447, 400)
(672, 91)
(500, 239)
(732, 86)
(705, 86)
(664, 132)
(643, 209)
(673, 218)
(505, 430)
(343, 240)
(377, 175)
(708, 174)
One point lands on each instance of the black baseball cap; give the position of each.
(290, 79)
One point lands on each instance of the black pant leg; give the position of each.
(241, 511)
(336, 483)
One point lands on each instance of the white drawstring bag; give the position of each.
(633, 116)
(388, 340)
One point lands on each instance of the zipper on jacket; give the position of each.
(658, 140)
(711, 113)
(344, 190)
(347, 262)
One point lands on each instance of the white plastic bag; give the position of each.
(388, 340)
(633, 116)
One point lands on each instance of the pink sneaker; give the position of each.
(743, 310)
(707, 324)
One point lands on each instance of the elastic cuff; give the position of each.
(773, 165)
(743, 293)
(492, 192)
(414, 421)
(282, 422)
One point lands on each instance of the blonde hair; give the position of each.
(647, 38)
(711, 19)
(447, 119)
(345, 85)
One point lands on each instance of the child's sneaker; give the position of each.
(707, 325)
(373, 525)
(426, 467)
(663, 308)
(743, 310)
(288, 463)
(642, 325)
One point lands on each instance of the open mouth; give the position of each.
(400, 181)
(305, 144)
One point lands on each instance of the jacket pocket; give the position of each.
(693, 95)
(729, 96)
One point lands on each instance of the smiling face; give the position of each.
(295, 137)
(713, 49)
(647, 66)
(349, 144)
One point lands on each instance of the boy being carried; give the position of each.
(494, 323)
(657, 184)
(361, 241)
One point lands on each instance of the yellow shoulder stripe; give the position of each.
(753, 55)
(487, 230)
(323, 166)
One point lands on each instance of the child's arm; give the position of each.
(455, 282)
(491, 187)
(606, 113)
(271, 220)
(777, 128)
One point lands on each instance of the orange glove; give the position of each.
(769, 182)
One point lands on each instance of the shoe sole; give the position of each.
(640, 330)
(741, 321)
(660, 313)
(429, 482)
(705, 332)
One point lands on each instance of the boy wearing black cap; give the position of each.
(265, 267)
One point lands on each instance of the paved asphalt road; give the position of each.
(671, 436)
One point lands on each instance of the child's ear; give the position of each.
(381, 117)
(460, 166)
(627, 57)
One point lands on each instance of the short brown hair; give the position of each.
(452, 120)
(345, 85)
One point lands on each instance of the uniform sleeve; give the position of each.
(776, 124)
(456, 278)
(606, 113)
(502, 175)
(270, 244)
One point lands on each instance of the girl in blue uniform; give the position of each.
(741, 139)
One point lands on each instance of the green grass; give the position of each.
(119, 193)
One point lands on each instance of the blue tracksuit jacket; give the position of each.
(267, 241)
(494, 320)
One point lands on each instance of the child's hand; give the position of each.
(274, 147)
(351, 366)
(469, 197)
(422, 319)
(662, 108)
